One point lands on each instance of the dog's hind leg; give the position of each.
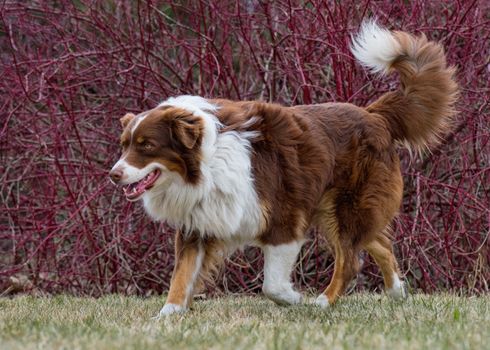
(346, 268)
(353, 216)
(381, 250)
(345, 252)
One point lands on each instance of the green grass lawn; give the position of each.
(367, 321)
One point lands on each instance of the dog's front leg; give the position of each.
(189, 257)
(278, 264)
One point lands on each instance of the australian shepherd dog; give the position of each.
(227, 174)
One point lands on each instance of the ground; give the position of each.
(367, 321)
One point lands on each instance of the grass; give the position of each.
(367, 321)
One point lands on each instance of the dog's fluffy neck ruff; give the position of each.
(224, 203)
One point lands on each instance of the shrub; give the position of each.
(70, 69)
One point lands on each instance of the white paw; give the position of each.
(322, 301)
(398, 291)
(284, 296)
(170, 309)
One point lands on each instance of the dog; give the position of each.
(227, 174)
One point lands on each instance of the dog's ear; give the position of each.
(126, 119)
(187, 128)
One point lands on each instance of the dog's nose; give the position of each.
(116, 175)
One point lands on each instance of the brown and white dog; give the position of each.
(228, 174)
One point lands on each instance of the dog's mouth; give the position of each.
(135, 190)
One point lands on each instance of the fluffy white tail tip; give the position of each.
(375, 47)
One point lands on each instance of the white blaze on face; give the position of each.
(139, 119)
(130, 173)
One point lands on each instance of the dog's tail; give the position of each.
(421, 110)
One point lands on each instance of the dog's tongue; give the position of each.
(136, 189)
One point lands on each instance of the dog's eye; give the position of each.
(147, 146)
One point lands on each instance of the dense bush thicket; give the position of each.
(70, 69)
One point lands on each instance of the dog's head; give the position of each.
(156, 147)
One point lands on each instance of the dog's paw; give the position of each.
(170, 309)
(322, 301)
(284, 297)
(398, 291)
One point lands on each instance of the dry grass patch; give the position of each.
(357, 321)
